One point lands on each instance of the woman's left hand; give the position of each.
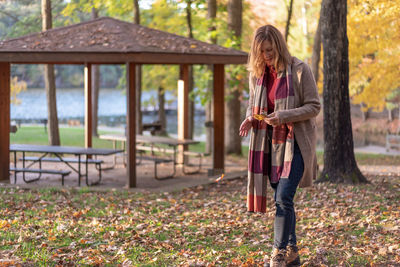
(273, 119)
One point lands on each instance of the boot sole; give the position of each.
(294, 263)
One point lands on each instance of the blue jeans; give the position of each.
(285, 189)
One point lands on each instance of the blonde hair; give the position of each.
(282, 57)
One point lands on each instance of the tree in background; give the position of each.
(289, 16)
(191, 69)
(163, 77)
(50, 84)
(374, 28)
(340, 165)
(232, 104)
(16, 87)
(138, 78)
(316, 52)
(211, 17)
(159, 17)
(95, 87)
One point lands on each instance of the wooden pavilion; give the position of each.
(110, 41)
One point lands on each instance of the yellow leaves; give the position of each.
(4, 224)
(331, 219)
(220, 178)
(259, 117)
(372, 46)
(51, 236)
(16, 88)
(77, 214)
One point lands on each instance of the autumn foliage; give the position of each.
(374, 51)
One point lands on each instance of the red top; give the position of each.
(270, 82)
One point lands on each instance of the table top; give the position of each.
(63, 149)
(150, 139)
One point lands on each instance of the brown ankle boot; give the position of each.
(292, 256)
(278, 258)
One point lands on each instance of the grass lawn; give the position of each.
(75, 137)
(337, 225)
(68, 136)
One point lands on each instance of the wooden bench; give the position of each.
(159, 161)
(392, 141)
(97, 162)
(40, 172)
(171, 151)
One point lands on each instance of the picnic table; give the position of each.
(83, 156)
(152, 144)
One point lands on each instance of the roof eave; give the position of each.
(117, 58)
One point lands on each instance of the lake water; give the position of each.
(112, 110)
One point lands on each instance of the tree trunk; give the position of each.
(398, 128)
(161, 111)
(364, 114)
(339, 162)
(316, 54)
(95, 87)
(50, 84)
(191, 71)
(232, 106)
(390, 114)
(289, 17)
(211, 16)
(138, 77)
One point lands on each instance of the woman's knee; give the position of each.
(284, 202)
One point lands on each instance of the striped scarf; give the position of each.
(259, 147)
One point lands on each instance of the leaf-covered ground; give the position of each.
(337, 225)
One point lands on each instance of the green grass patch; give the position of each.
(68, 137)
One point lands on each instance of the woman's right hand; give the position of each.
(245, 126)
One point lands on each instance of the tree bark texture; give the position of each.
(316, 54)
(289, 17)
(95, 87)
(95, 98)
(138, 79)
(233, 142)
(339, 162)
(390, 114)
(191, 71)
(211, 16)
(136, 12)
(52, 118)
(161, 111)
(191, 103)
(50, 83)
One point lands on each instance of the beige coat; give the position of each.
(307, 107)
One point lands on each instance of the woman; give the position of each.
(283, 141)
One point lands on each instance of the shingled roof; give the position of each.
(108, 40)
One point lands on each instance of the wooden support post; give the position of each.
(4, 120)
(218, 144)
(131, 124)
(183, 109)
(88, 105)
